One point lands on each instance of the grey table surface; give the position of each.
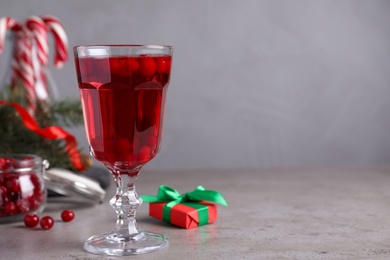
(327, 213)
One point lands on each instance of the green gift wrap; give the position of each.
(188, 210)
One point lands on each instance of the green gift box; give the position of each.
(188, 210)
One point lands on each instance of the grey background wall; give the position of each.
(255, 83)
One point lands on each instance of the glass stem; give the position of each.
(125, 203)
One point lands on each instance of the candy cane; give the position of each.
(5, 24)
(60, 39)
(39, 31)
(22, 67)
(39, 55)
(31, 53)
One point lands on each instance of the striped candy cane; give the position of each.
(31, 54)
(39, 32)
(60, 39)
(7, 23)
(22, 67)
(39, 55)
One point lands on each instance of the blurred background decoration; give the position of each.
(31, 119)
(255, 84)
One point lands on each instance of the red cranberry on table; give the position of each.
(46, 222)
(67, 215)
(31, 220)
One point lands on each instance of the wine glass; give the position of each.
(123, 90)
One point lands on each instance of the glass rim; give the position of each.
(152, 46)
(108, 50)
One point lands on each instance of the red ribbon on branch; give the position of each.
(50, 133)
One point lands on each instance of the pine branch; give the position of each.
(16, 138)
(67, 113)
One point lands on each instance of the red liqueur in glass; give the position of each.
(123, 104)
(123, 90)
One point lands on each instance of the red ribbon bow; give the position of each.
(50, 133)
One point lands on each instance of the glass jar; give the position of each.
(22, 188)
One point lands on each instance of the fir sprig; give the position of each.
(67, 113)
(16, 138)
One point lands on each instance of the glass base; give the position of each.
(117, 245)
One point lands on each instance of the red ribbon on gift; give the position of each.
(50, 133)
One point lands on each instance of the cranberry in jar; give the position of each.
(22, 189)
